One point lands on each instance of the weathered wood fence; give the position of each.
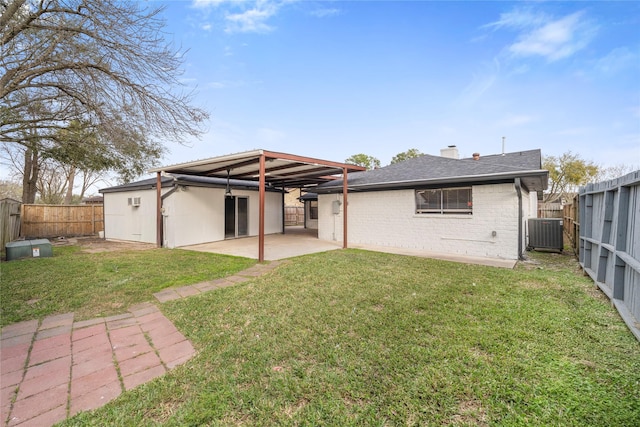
(293, 215)
(549, 210)
(610, 242)
(9, 221)
(571, 223)
(61, 220)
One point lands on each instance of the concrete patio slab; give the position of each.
(300, 241)
(295, 242)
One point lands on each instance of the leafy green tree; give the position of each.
(406, 155)
(566, 173)
(364, 160)
(81, 151)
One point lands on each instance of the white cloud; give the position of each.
(481, 83)
(252, 20)
(519, 18)
(616, 60)
(557, 39)
(545, 36)
(250, 16)
(206, 3)
(206, 27)
(323, 13)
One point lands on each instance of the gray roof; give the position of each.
(308, 196)
(188, 180)
(428, 170)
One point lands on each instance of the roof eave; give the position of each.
(173, 180)
(470, 179)
(202, 162)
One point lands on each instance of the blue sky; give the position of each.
(331, 79)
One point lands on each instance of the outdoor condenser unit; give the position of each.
(545, 233)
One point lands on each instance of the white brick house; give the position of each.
(446, 205)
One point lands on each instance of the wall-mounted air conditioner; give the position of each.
(133, 201)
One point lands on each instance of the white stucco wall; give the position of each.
(311, 224)
(388, 218)
(124, 222)
(190, 217)
(197, 215)
(533, 205)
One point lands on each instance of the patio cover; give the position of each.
(267, 167)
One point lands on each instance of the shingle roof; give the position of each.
(308, 196)
(436, 170)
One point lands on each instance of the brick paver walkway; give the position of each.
(185, 291)
(56, 368)
(60, 367)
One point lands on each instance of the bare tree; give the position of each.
(104, 63)
(11, 189)
(89, 179)
(54, 177)
(606, 173)
(52, 184)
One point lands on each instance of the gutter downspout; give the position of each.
(160, 198)
(159, 223)
(519, 192)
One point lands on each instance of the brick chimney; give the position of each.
(450, 152)
(476, 156)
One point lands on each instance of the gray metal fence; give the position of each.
(610, 242)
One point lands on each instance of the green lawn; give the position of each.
(101, 284)
(359, 338)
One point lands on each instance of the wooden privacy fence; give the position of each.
(61, 220)
(9, 221)
(293, 215)
(610, 242)
(549, 210)
(571, 223)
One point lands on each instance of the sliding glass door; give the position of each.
(236, 217)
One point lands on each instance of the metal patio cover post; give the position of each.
(285, 170)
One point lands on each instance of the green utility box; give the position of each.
(38, 248)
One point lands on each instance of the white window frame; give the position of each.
(441, 201)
